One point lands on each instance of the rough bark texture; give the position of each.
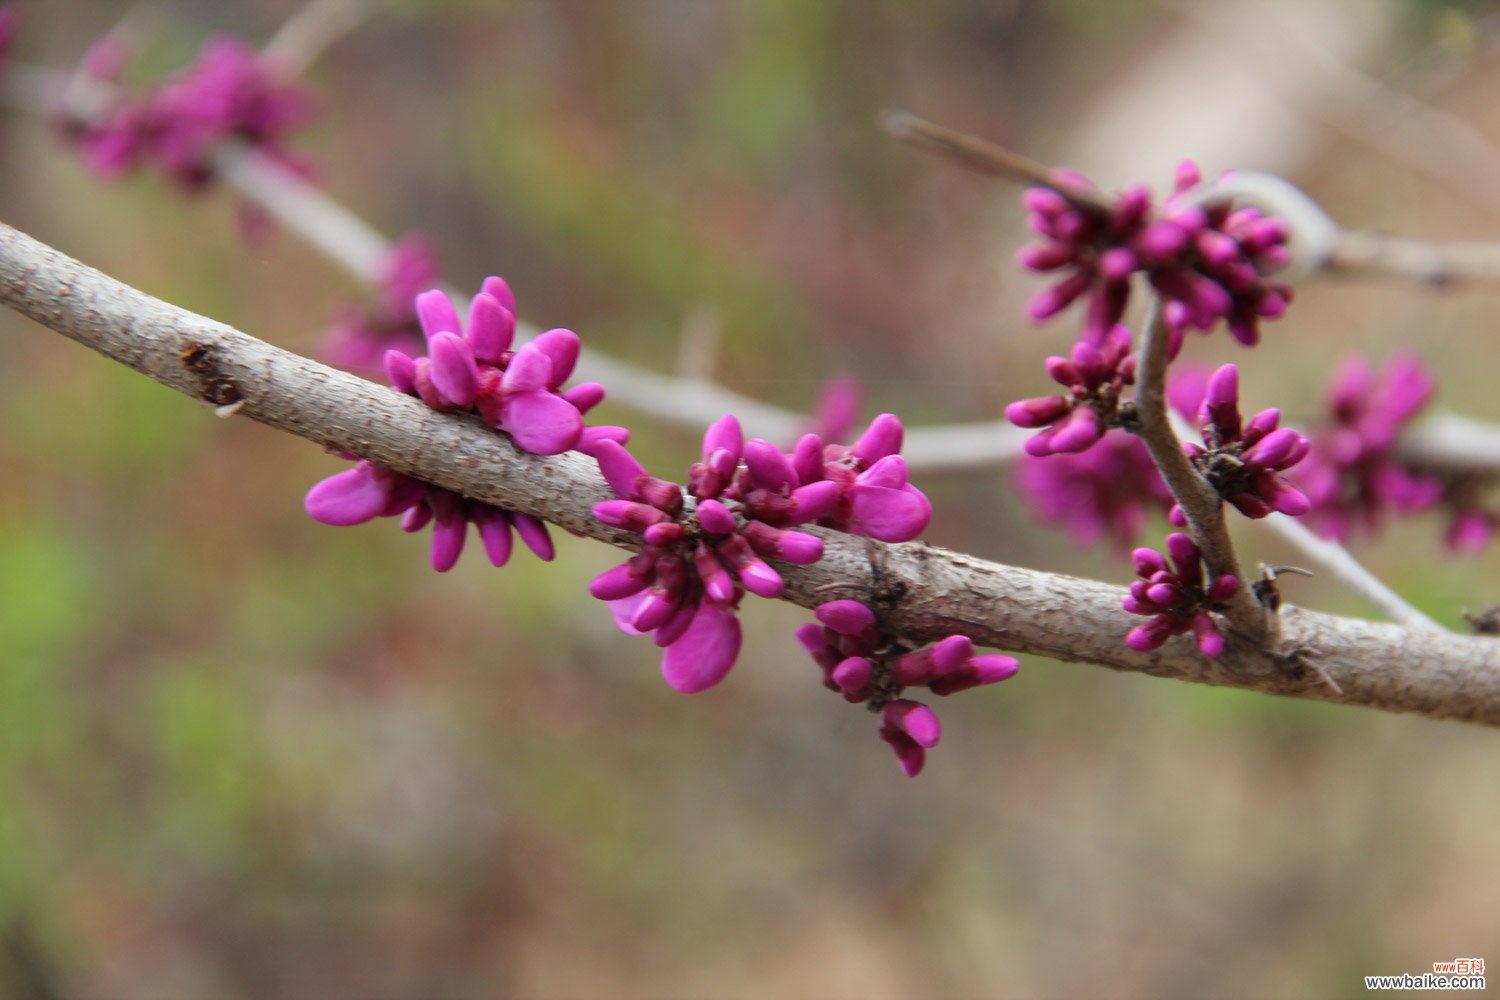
(922, 592)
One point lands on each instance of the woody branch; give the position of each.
(941, 592)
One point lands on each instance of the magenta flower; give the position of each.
(1352, 476)
(362, 333)
(1211, 262)
(229, 92)
(1093, 376)
(1242, 461)
(472, 368)
(368, 491)
(867, 665)
(684, 585)
(1175, 598)
(865, 484)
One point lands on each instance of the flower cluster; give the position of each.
(1241, 461)
(1175, 598)
(1356, 473)
(362, 333)
(1094, 377)
(368, 491)
(1210, 261)
(684, 585)
(1110, 489)
(865, 664)
(473, 369)
(229, 92)
(1352, 476)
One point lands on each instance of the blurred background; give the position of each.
(243, 754)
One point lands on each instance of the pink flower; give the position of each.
(861, 488)
(867, 665)
(1175, 597)
(229, 92)
(1353, 476)
(470, 367)
(1210, 261)
(684, 585)
(1094, 377)
(368, 491)
(1243, 462)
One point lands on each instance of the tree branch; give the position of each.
(1376, 665)
(1200, 504)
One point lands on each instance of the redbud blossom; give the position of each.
(229, 92)
(867, 665)
(1093, 377)
(470, 367)
(1210, 262)
(1353, 476)
(1242, 461)
(1175, 597)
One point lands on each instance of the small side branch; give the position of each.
(1200, 504)
(1349, 253)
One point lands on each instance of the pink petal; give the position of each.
(494, 532)
(436, 313)
(529, 370)
(705, 652)
(715, 518)
(888, 515)
(542, 423)
(402, 371)
(534, 534)
(588, 441)
(561, 346)
(620, 469)
(500, 290)
(845, 616)
(491, 328)
(448, 537)
(585, 396)
(353, 496)
(624, 611)
(453, 371)
(888, 472)
(883, 438)
(807, 458)
(769, 468)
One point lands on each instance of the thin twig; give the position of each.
(1199, 502)
(984, 157)
(1322, 245)
(1366, 254)
(312, 30)
(1448, 442)
(1332, 557)
(1376, 665)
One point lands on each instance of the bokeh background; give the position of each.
(245, 755)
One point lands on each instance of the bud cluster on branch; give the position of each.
(480, 427)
